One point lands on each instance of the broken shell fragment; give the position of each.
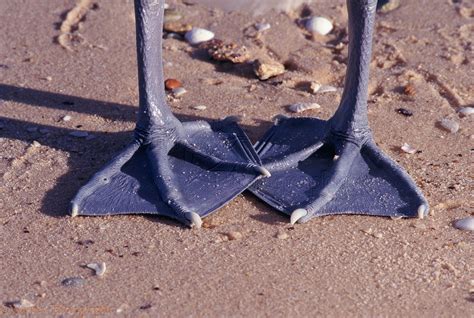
(318, 25)
(177, 92)
(466, 111)
(449, 125)
(98, 268)
(262, 26)
(265, 69)
(408, 149)
(301, 107)
(199, 107)
(466, 224)
(198, 35)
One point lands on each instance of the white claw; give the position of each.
(297, 214)
(74, 210)
(421, 211)
(264, 172)
(194, 219)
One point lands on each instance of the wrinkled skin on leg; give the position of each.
(181, 170)
(335, 167)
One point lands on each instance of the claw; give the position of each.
(74, 210)
(421, 211)
(264, 172)
(194, 219)
(297, 215)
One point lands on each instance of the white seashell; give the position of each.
(301, 107)
(449, 125)
(466, 111)
(22, 304)
(408, 149)
(318, 25)
(98, 268)
(199, 107)
(177, 92)
(466, 224)
(67, 118)
(327, 89)
(262, 26)
(198, 35)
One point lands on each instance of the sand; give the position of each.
(330, 266)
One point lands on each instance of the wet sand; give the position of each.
(330, 266)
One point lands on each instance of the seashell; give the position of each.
(301, 107)
(199, 107)
(466, 111)
(198, 35)
(172, 15)
(318, 25)
(177, 92)
(327, 89)
(66, 118)
(449, 125)
(408, 149)
(466, 224)
(98, 268)
(262, 26)
(21, 304)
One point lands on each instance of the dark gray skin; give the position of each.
(181, 170)
(334, 167)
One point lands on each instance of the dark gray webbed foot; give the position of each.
(180, 170)
(334, 167)
(180, 179)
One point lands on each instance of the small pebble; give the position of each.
(177, 27)
(99, 268)
(177, 92)
(262, 26)
(405, 112)
(466, 224)
(408, 149)
(172, 83)
(265, 69)
(79, 134)
(226, 52)
(73, 282)
(198, 35)
(318, 25)
(21, 304)
(66, 118)
(449, 125)
(35, 144)
(301, 107)
(282, 236)
(466, 111)
(199, 107)
(233, 235)
(48, 78)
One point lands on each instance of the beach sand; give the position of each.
(330, 266)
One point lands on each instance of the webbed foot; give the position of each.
(178, 179)
(317, 173)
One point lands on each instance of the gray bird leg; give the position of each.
(184, 171)
(334, 167)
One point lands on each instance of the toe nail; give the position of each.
(421, 211)
(264, 172)
(297, 215)
(194, 219)
(74, 210)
